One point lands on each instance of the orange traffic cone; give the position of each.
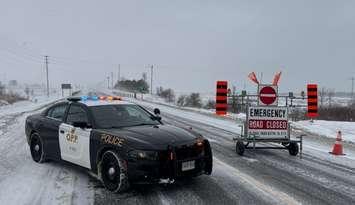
(338, 146)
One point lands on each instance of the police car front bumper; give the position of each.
(170, 165)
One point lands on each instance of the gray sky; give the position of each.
(192, 43)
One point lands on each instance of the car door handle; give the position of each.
(62, 131)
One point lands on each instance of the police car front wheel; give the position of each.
(113, 172)
(36, 147)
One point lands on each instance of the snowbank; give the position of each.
(328, 128)
(24, 106)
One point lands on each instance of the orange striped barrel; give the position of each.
(312, 100)
(221, 97)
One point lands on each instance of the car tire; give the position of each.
(293, 148)
(239, 148)
(113, 172)
(36, 147)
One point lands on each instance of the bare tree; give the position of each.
(2, 89)
(194, 100)
(322, 95)
(144, 76)
(211, 104)
(330, 95)
(181, 100)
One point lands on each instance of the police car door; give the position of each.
(75, 141)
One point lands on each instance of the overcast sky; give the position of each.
(191, 43)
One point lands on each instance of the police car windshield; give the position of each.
(118, 116)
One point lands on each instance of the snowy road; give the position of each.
(259, 177)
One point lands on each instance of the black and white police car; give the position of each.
(119, 141)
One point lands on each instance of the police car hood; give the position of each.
(154, 137)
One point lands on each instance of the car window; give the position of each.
(110, 116)
(77, 114)
(57, 112)
(136, 112)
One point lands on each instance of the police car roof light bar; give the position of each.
(85, 98)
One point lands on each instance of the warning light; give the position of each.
(94, 98)
(84, 98)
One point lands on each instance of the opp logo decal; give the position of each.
(71, 136)
(110, 139)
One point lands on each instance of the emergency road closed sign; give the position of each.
(267, 122)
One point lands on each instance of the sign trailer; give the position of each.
(267, 122)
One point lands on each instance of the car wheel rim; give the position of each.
(110, 172)
(36, 147)
(36, 150)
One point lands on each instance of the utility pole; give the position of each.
(151, 79)
(111, 80)
(119, 73)
(108, 82)
(352, 87)
(46, 61)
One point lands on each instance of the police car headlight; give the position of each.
(143, 155)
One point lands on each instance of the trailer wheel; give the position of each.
(293, 148)
(239, 148)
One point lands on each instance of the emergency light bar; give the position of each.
(85, 98)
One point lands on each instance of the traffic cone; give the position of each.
(338, 146)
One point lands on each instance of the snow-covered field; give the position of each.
(23, 106)
(328, 129)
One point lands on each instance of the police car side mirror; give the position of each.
(158, 118)
(81, 125)
(156, 111)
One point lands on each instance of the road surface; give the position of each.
(259, 177)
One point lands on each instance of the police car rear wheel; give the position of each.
(36, 147)
(113, 172)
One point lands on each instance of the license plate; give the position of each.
(189, 165)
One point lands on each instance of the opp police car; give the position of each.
(120, 142)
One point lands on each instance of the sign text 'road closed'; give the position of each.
(267, 122)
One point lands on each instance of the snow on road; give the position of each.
(265, 191)
(23, 181)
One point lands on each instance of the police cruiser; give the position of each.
(120, 142)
